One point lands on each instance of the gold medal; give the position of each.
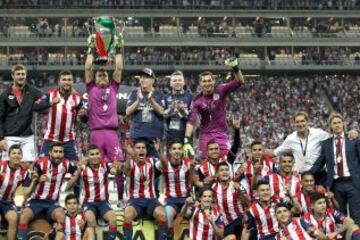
(304, 159)
(146, 184)
(338, 159)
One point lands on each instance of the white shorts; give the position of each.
(27, 145)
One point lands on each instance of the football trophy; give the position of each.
(106, 37)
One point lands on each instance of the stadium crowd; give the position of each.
(159, 4)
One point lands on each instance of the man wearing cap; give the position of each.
(145, 107)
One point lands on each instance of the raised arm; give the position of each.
(234, 64)
(89, 74)
(119, 61)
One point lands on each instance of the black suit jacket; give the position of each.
(352, 151)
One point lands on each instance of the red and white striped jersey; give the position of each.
(295, 230)
(228, 201)
(200, 227)
(304, 201)
(207, 169)
(141, 179)
(50, 189)
(327, 224)
(10, 179)
(293, 182)
(96, 182)
(176, 179)
(277, 186)
(62, 116)
(264, 219)
(72, 228)
(265, 169)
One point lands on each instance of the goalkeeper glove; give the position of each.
(233, 62)
(188, 149)
(119, 41)
(91, 44)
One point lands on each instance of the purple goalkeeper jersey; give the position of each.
(102, 104)
(212, 109)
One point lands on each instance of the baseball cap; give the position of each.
(148, 72)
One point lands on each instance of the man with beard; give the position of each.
(66, 103)
(45, 191)
(16, 113)
(140, 172)
(102, 107)
(210, 105)
(177, 171)
(12, 175)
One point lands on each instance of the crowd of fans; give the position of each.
(190, 55)
(344, 93)
(204, 27)
(159, 4)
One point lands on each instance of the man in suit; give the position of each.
(342, 158)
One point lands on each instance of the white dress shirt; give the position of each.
(306, 151)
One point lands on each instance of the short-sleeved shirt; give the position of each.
(212, 109)
(145, 122)
(102, 104)
(306, 151)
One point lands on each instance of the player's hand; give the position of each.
(82, 112)
(119, 41)
(43, 178)
(188, 149)
(233, 63)
(331, 235)
(140, 96)
(81, 224)
(353, 134)
(91, 41)
(242, 169)
(54, 101)
(3, 145)
(208, 179)
(329, 195)
(189, 201)
(157, 144)
(211, 217)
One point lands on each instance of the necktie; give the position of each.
(339, 158)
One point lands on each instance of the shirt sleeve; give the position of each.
(193, 112)
(42, 103)
(229, 87)
(322, 135)
(284, 147)
(339, 217)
